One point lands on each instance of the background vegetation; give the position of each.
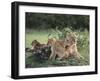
(44, 21)
(39, 26)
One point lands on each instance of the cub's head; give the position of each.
(51, 41)
(34, 43)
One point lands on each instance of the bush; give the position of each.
(83, 39)
(82, 36)
(62, 32)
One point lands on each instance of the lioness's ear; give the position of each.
(72, 34)
(50, 36)
(76, 34)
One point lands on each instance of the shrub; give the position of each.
(82, 36)
(62, 33)
(83, 39)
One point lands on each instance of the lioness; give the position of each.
(71, 46)
(64, 48)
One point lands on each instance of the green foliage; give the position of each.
(83, 39)
(32, 62)
(44, 20)
(82, 36)
(63, 32)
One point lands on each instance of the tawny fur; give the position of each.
(36, 45)
(57, 48)
(64, 49)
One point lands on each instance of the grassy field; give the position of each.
(42, 37)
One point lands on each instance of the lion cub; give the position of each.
(57, 48)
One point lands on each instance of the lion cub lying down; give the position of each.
(64, 48)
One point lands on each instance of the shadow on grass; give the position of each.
(33, 62)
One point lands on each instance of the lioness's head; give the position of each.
(71, 39)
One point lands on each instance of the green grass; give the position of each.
(39, 35)
(42, 37)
